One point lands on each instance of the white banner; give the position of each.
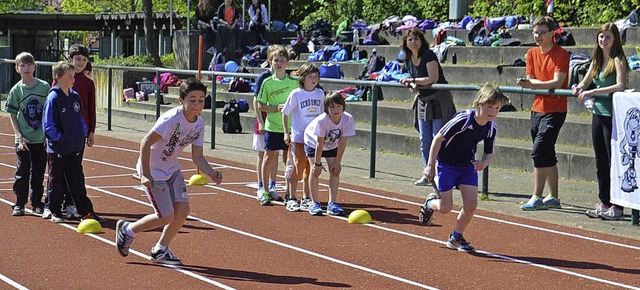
(625, 142)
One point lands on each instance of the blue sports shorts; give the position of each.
(274, 141)
(453, 176)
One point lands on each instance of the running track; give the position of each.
(231, 242)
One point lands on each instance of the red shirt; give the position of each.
(86, 88)
(542, 66)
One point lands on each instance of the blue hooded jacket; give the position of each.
(62, 121)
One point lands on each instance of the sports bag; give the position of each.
(231, 118)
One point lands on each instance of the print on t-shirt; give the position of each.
(32, 112)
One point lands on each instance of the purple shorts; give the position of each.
(449, 176)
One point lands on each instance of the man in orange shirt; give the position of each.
(547, 68)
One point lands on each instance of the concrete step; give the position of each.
(511, 153)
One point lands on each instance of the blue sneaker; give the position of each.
(551, 202)
(334, 209)
(534, 203)
(316, 209)
(460, 244)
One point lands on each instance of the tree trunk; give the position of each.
(149, 33)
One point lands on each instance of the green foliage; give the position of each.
(136, 60)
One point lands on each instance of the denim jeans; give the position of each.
(428, 129)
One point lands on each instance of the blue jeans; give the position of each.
(428, 129)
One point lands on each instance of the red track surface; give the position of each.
(231, 241)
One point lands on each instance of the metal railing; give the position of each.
(635, 220)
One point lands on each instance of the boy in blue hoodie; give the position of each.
(66, 132)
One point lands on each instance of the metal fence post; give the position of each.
(374, 128)
(213, 113)
(109, 97)
(158, 94)
(635, 217)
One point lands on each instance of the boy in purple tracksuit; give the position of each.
(66, 132)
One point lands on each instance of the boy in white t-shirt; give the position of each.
(161, 176)
(326, 136)
(303, 105)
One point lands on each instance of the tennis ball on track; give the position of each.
(89, 226)
(197, 179)
(359, 216)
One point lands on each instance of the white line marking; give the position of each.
(139, 254)
(12, 283)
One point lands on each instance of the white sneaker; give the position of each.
(422, 181)
(46, 214)
(595, 213)
(56, 219)
(306, 204)
(259, 192)
(292, 205)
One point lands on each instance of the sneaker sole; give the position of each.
(611, 218)
(453, 247)
(335, 213)
(292, 209)
(533, 208)
(164, 262)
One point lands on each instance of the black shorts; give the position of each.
(311, 152)
(545, 129)
(274, 141)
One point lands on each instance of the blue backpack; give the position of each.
(331, 71)
(340, 55)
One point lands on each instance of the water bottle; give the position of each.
(454, 58)
(587, 102)
(356, 38)
(374, 52)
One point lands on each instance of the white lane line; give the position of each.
(408, 202)
(418, 204)
(139, 254)
(291, 247)
(12, 283)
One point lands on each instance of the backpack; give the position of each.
(427, 24)
(231, 118)
(243, 105)
(340, 55)
(217, 63)
(493, 24)
(375, 64)
(331, 71)
(373, 36)
(166, 80)
(563, 37)
(239, 85)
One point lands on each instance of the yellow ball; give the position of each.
(359, 216)
(89, 226)
(197, 179)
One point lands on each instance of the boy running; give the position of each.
(454, 150)
(161, 175)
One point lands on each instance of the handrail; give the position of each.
(374, 101)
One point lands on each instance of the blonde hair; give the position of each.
(61, 67)
(277, 50)
(487, 94)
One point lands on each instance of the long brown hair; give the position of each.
(616, 52)
(417, 33)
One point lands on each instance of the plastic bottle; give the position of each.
(356, 38)
(454, 58)
(374, 52)
(587, 102)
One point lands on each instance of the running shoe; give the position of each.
(334, 209)
(534, 203)
(595, 213)
(459, 244)
(274, 195)
(17, 211)
(316, 209)
(551, 202)
(426, 212)
(72, 213)
(306, 204)
(265, 198)
(56, 218)
(123, 241)
(46, 214)
(165, 257)
(614, 213)
(292, 205)
(422, 181)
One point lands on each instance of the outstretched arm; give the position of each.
(203, 165)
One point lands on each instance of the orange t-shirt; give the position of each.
(542, 66)
(228, 15)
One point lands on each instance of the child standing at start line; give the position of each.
(326, 136)
(454, 149)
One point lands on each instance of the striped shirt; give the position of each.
(462, 135)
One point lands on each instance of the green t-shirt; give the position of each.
(28, 104)
(274, 92)
(604, 107)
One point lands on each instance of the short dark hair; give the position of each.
(546, 21)
(190, 85)
(78, 49)
(336, 99)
